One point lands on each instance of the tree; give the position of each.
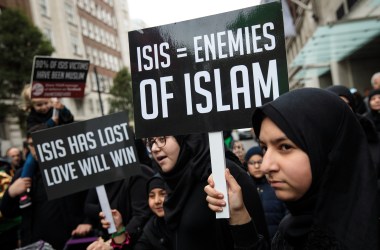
(121, 92)
(20, 41)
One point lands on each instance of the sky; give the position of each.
(159, 12)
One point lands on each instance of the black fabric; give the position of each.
(156, 181)
(345, 92)
(133, 203)
(191, 222)
(155, 236)
(51, 221)
(342, 196)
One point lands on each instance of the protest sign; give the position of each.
(83, 155)
(207, 74)
(58, 77)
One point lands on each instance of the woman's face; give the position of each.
(167, 155)
(254, 166)
(374, 103)
(286, 166)
(238, 150)
(156, 201)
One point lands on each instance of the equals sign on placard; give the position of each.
(181, 52)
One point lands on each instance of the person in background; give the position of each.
(49, 220)
(48, 111)
(374, 106)
(360, 106)
(15, 155)
(365, 121)
(317, 160)
(375, 83)
(274, 209)
(9, 227)
(239, 150)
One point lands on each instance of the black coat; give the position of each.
(51, 221)
(155, 236)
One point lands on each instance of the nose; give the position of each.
(269, 163)
(157, 199)
(155, 148)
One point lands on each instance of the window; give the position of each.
(69, 13)
(44, 7)
(48, 34)
(84, 27)
(75, 44)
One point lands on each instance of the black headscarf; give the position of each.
(342, 196)
(193, 165)
(345, 92)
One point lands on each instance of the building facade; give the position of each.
(336, 43)
(95, 30)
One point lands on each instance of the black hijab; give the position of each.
(342, 196)
(193, 165)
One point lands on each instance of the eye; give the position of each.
(285, 147)
(161, 139)
(263, 148)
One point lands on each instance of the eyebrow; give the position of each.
(276, 140)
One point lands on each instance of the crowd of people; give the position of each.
(312, 183)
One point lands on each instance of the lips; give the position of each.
(275, 183)
(160, 158)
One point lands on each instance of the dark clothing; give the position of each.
(8, 226)
(51, 221)
(340, 206)
(155, 236)
(133, 203)
(192, 224)
(35, 118)
(129, 197)
(274, 209)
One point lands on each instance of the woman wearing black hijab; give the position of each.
(332, 196)
(184, 163)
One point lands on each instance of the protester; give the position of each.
(49, 111)
(274, 209)
(49, 220)
(127, 196)
(8, 226)
(374, 108)
(155, 235)
(239, 150)
(185, 165)
(14, 154)
(366, 123)
(316, 158)
(375, 84)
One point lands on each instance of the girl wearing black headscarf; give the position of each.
(332, 196)
(185, 165)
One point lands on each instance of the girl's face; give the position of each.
(374, 103)
(254, 166)
(156, 201)
(166, 156)
(287, 167)
(41, 105)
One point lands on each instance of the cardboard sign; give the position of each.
(207, 74)
(86, 154)
(54, 77)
